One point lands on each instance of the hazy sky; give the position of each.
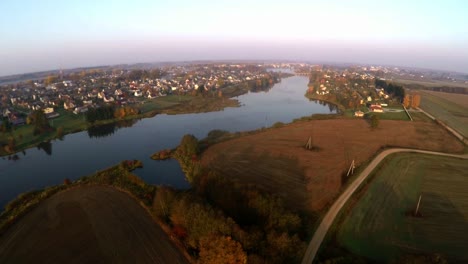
(42, 35)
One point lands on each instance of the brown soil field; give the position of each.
(277, 161)
(93, 224)
(459, 99)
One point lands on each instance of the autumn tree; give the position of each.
(374, 121)
(51, 79)
(221, 250)
(407, 101)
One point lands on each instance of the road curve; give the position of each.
(327, 221)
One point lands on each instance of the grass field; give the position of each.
(390, 113)
(459, 99)
(433, 83)
(450, 109)
(378, 226)
(312, 179)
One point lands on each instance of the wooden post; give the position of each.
(417, 206)
(351, 169)
(309, 143)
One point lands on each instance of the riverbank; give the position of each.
(30, 213)
(331, 99)
(68, 122)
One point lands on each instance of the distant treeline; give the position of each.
(392, 89)
(447, 89)
(110, 112)
(101, 113)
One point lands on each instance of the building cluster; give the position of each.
(79, 92)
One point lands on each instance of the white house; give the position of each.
(138, 93)
(358, 114)
(48, 110)
(68, 105)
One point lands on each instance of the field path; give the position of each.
(91, 224)
(327, 221)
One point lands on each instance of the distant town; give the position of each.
(77, 92)
(74, 99)
(279, 183)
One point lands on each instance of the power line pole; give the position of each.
(417, 206)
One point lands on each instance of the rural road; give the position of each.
(328, 219)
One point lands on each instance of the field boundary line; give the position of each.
(451, 130)
(406, 110)
(330, 216)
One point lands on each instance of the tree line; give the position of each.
(219, 219)
(110, 112)
(396, 90)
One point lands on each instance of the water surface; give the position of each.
(85, 152)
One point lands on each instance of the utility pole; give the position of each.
(309, 144)
(417, 206)
(351, 169)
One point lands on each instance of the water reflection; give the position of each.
(109, 129)
(46, 146)
(86, 152)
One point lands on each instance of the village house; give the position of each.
(376, 108)
(358, 114)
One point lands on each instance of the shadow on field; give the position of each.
(441, 229)
(278, 175)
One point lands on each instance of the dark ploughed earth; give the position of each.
(92, 224)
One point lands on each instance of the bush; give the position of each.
(278, 125)
(162, 155)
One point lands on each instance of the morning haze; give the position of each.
(233, 132)
(56, 34)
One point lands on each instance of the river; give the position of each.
(85, 152)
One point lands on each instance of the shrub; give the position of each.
(278, 125)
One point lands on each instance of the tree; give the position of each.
(11, 144)
(221, 249)
(30, 83)
(220, 83)
(374, 121)
(406, 101)
(163, 201)
(60, 132)
(50, 79)
(6, 125)
(188, 146)
(40, 122)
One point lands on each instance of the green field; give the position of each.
(378, 227)
(454, 115)
(432, 83)
(390, 113)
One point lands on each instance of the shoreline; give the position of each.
(208, 104)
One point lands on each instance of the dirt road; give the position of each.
(93, 224)
(327, 221)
